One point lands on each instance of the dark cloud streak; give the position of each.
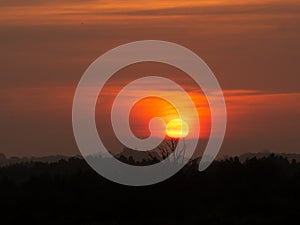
(11, 3)
(266, 9)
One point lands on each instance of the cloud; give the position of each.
(11, 3)
(234, 93)
(222, 9)
(93, 8)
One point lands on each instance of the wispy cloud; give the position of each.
(69, 11)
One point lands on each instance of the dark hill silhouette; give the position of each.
(289, 156)
(132, 156)
(4, 161)
(257, 191)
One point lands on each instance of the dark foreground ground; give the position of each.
(259, 191)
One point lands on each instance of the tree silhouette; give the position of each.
(169, 146)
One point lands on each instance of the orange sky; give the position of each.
(252, 47)
(256, 120)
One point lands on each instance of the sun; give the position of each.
(177, 128)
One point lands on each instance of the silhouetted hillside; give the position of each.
(258, 191)
(4, 161)
(132, 156)
(289, 156)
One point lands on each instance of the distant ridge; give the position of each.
(259, 155)
(4, 161)
(138, 156)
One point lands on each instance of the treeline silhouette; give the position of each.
(257, 191)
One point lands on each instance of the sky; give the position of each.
(252, 47)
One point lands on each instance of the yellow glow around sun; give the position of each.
(177, 128)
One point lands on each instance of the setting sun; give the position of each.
(177, 128)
